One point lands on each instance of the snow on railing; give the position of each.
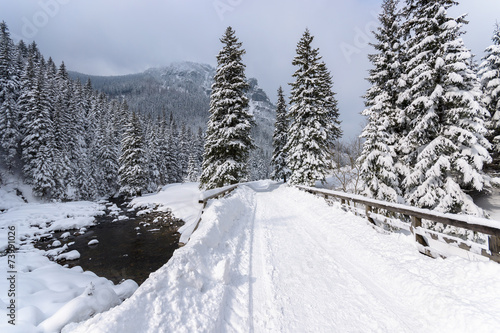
(424, 237)
(215, 193)
(212, 194)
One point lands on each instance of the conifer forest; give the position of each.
(431, 138)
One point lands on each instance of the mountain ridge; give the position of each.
(183, 90)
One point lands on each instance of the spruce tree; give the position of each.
(153, 154)
(38, 142)
(193, 171)
(173, 167)
(445, 147)
(313, 115)
(184, 149)
(132, 172)
(62, 134)
(9, 90)
(489, 73)
(228, 142)
(279, 166)
(107, 156)
(83, 180)
(381, 169)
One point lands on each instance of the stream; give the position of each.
(128, 246)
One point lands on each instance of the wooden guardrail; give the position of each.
(216, 193)
(423, 236)
(212, 194)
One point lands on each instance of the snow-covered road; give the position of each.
(274, 259)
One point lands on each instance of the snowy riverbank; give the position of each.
(46, 295)
(180, 199)
(270, 259)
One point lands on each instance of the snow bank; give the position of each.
(180, 199)
(282, 260)
(49, 296)
(187, 293)
(35, 219)
(9, 199)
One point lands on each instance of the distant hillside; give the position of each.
(182, 89)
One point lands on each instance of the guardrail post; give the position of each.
(494, 244)
(368, 210)
(415, 223)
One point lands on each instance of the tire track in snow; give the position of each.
(266, 316)
(250, 272)
(233, 313)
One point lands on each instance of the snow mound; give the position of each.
(35, 219)
(49, 296)
(282, 260)
(197, 277)
(180, 199)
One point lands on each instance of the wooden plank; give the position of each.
(492, 256)
(448, 240)
(223, 191)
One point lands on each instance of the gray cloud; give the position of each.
(125, 36)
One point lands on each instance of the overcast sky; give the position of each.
(114, 37)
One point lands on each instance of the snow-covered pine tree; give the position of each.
(62, 130)
(184, 139)
(173, 166)
(313, 117)
(193, 171)
(9, 91)
(489, 73)
(162, 136)
(132, 172)
(65, 134)
(328, 104)
(228, 142)
(38, 142)
(152, 154)
(200, 146)
(83, 181)
(107, 155)
(278, 162)
(445, 147)
(381, 169)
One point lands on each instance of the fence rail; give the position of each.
(212, 194)
(424, 237)
(216, 193)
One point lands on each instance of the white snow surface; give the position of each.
(271, 258)
(181, 200)
(35, 219)
(49, 296)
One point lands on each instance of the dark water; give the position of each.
(127, 249)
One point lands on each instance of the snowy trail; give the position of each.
(312, 284)
(274, 259)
